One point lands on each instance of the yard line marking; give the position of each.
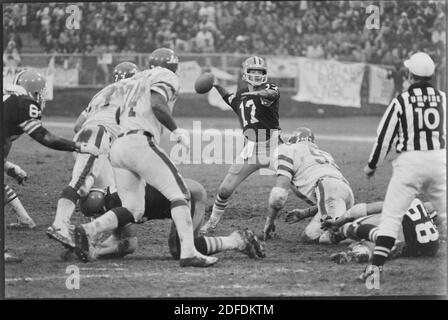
(238, 132)
(96, 276)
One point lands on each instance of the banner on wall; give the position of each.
(381, 88)
(9, 74)
(283, 67)
(188, 72)
(330, 82)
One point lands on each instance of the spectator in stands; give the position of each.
(11, 57)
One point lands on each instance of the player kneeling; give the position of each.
(123, 241)
(313, 176)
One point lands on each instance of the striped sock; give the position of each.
(16, 205)
(219, 207)
(218, 244)
(367, 232)
(383, 246)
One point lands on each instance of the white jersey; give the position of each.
(136, 112)
(102, 109)
(304, 164)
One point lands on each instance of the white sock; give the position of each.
(107, 222)
(19, 210)
(64, 212)
(184, 225)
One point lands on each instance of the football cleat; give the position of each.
(250, 244)
(369, 271)
(210, 225)
(199, 261)
(341, 257)
(361, 253)
(61, 235)
(398, 250)
(82, 243)
(22, 225)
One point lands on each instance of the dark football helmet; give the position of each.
(165, 58)
(252, 64)
(301, 134)
(33, 83)
(94, 204)
(124, 70)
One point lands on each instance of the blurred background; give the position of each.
(298, 38)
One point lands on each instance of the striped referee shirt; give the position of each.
(415, 120)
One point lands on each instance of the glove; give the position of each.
(182, 137)
(326, 222)
(369, 172)
(268, 228)
(17, 173)
(297, 215)
(88, 148)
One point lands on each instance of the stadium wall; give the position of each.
(71, 101)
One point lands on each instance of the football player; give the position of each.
(23, 103)
(418, 234)
(149, 98)
(257, 108)
(96, 125)
(313, 176)
(123, 241)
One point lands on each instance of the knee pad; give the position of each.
(278, 197)
(124, 216)
(70, 193)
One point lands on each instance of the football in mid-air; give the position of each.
(204, 83)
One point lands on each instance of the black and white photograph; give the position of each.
(224, 150)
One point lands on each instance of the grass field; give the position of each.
(290, 269)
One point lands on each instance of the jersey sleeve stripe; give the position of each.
(169, 85)
(288, 172)
(30, 125)
(285, 158)
(285, 164)
(229, 98)
(161, 91)
(385, 135)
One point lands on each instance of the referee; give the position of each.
(415, 123)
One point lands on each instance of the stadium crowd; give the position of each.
(325, 29)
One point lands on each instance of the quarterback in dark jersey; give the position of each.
(257, 108)
(23, 103)
(124, 240)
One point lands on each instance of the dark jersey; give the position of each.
(21, 114)
(157, 207)
(420, 233)
(258, 116)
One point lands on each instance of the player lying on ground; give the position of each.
(257, 109)
(418, 235)
(96, 125)
(148, 100)
(123, 241)
(23, 103)
(313, 176)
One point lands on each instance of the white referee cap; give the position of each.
(420, 64)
